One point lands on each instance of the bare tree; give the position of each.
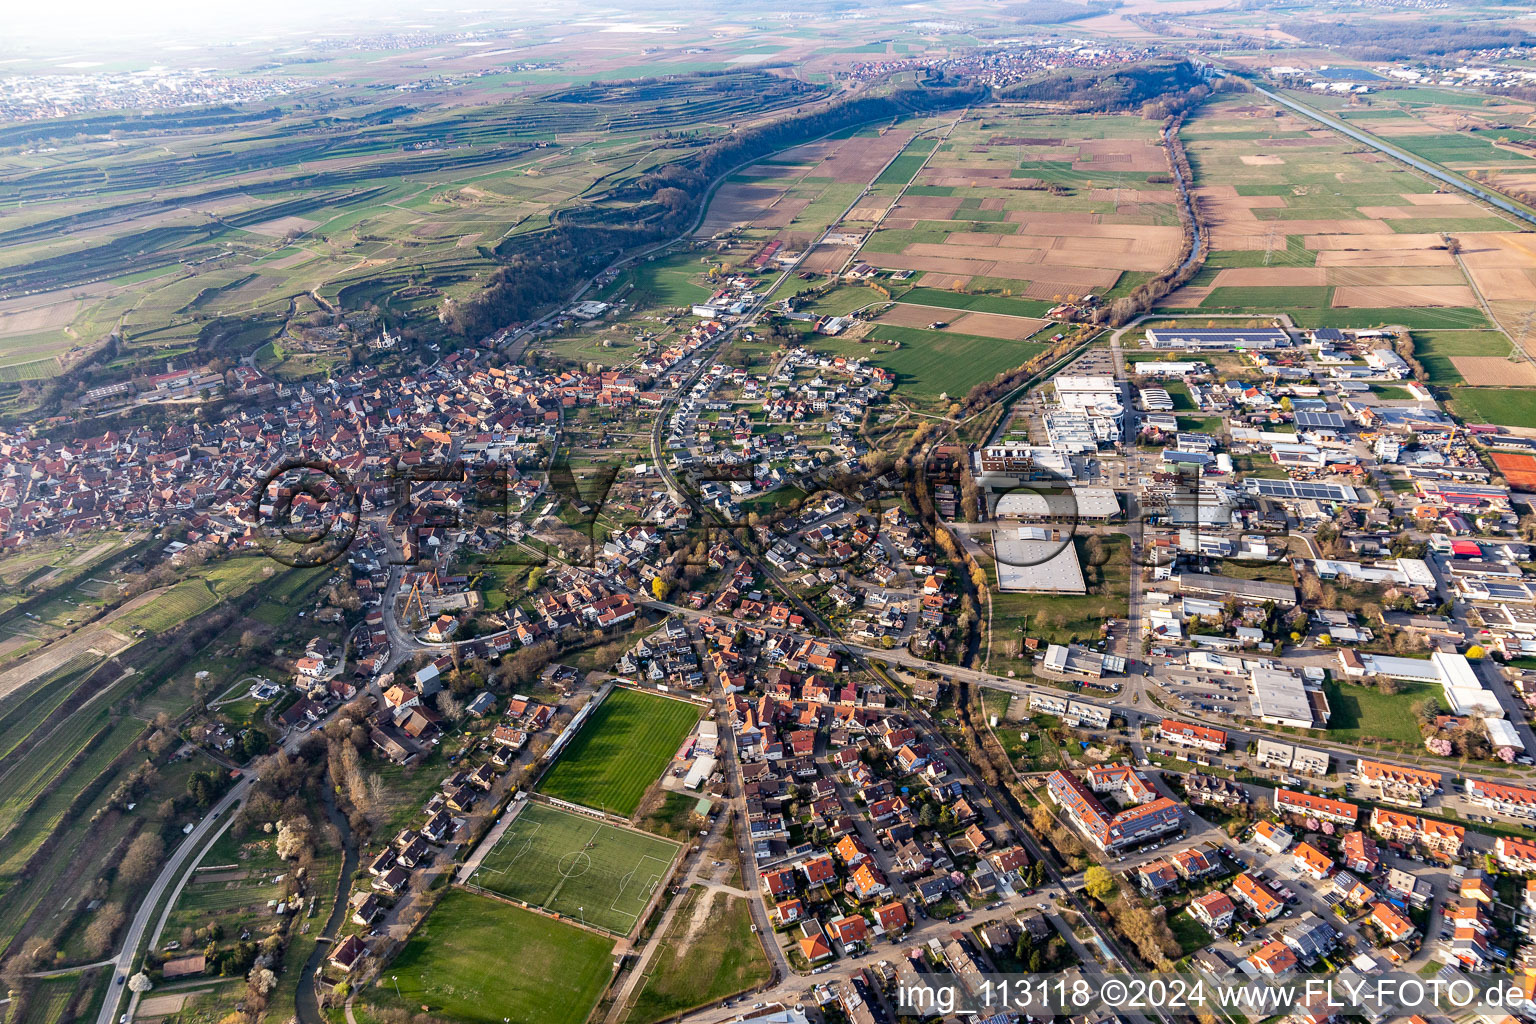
(142, 858)
(103, 928)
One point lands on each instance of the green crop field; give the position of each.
(671, 280)
(905, 166)
(621, 750)
(842, 301)
(577, 867)
(190, 598)
(1507, 407)
(1424, 318)
(1434, 350)
(1461, 343)
(35, 369)
(976, 303)
(49, 1000)
(1454, 148)
(480, 961)
(1265, 299)
(931, 363)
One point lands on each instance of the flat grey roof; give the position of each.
(1173, 337)
(1037, 566)
(1279, 695)
(1231, 586)
(1085, 502)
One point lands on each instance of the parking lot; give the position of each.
(1202, 691)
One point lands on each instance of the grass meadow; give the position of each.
(478, 960)
(621, 750)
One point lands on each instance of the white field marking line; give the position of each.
(549, 901)
(649, 887)
(513, 836)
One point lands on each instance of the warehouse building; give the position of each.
(1220, 588)
(1030, 560)
(1074, 504)
(1217, 340)
(1282, 698)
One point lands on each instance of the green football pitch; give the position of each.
(476, 960)
(623, 748)
(577, 867)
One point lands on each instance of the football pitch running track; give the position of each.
(577, 867)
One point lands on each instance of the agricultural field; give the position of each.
(1485, 378)
(457, 965)
(1479, 136)
(73, 726)
(577, 866)
(1444, 354)
(1507, 407)
(64, 749)
(240, 875)
(932, 363)
(49, 1000)
(283, 216)
(189, 598)
(620, 751)
(1305, 222)
(797, 194)
(1034, 206)
(50, 586)
(674, 279)
(1502, 264)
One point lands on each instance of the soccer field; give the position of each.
(621, 750)
(577, 867)
(481, 961)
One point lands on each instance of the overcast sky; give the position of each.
(61, 22)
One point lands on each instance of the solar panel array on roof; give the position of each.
(1320, 420)
(1300, 489)
(1507, 592)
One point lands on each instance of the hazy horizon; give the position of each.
(60, 30)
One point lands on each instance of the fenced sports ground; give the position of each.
(576, 866)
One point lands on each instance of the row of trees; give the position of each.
(542, 266)
(1399, 39)
(1147, 294)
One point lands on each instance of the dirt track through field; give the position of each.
(700, 915)
(98, 637)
